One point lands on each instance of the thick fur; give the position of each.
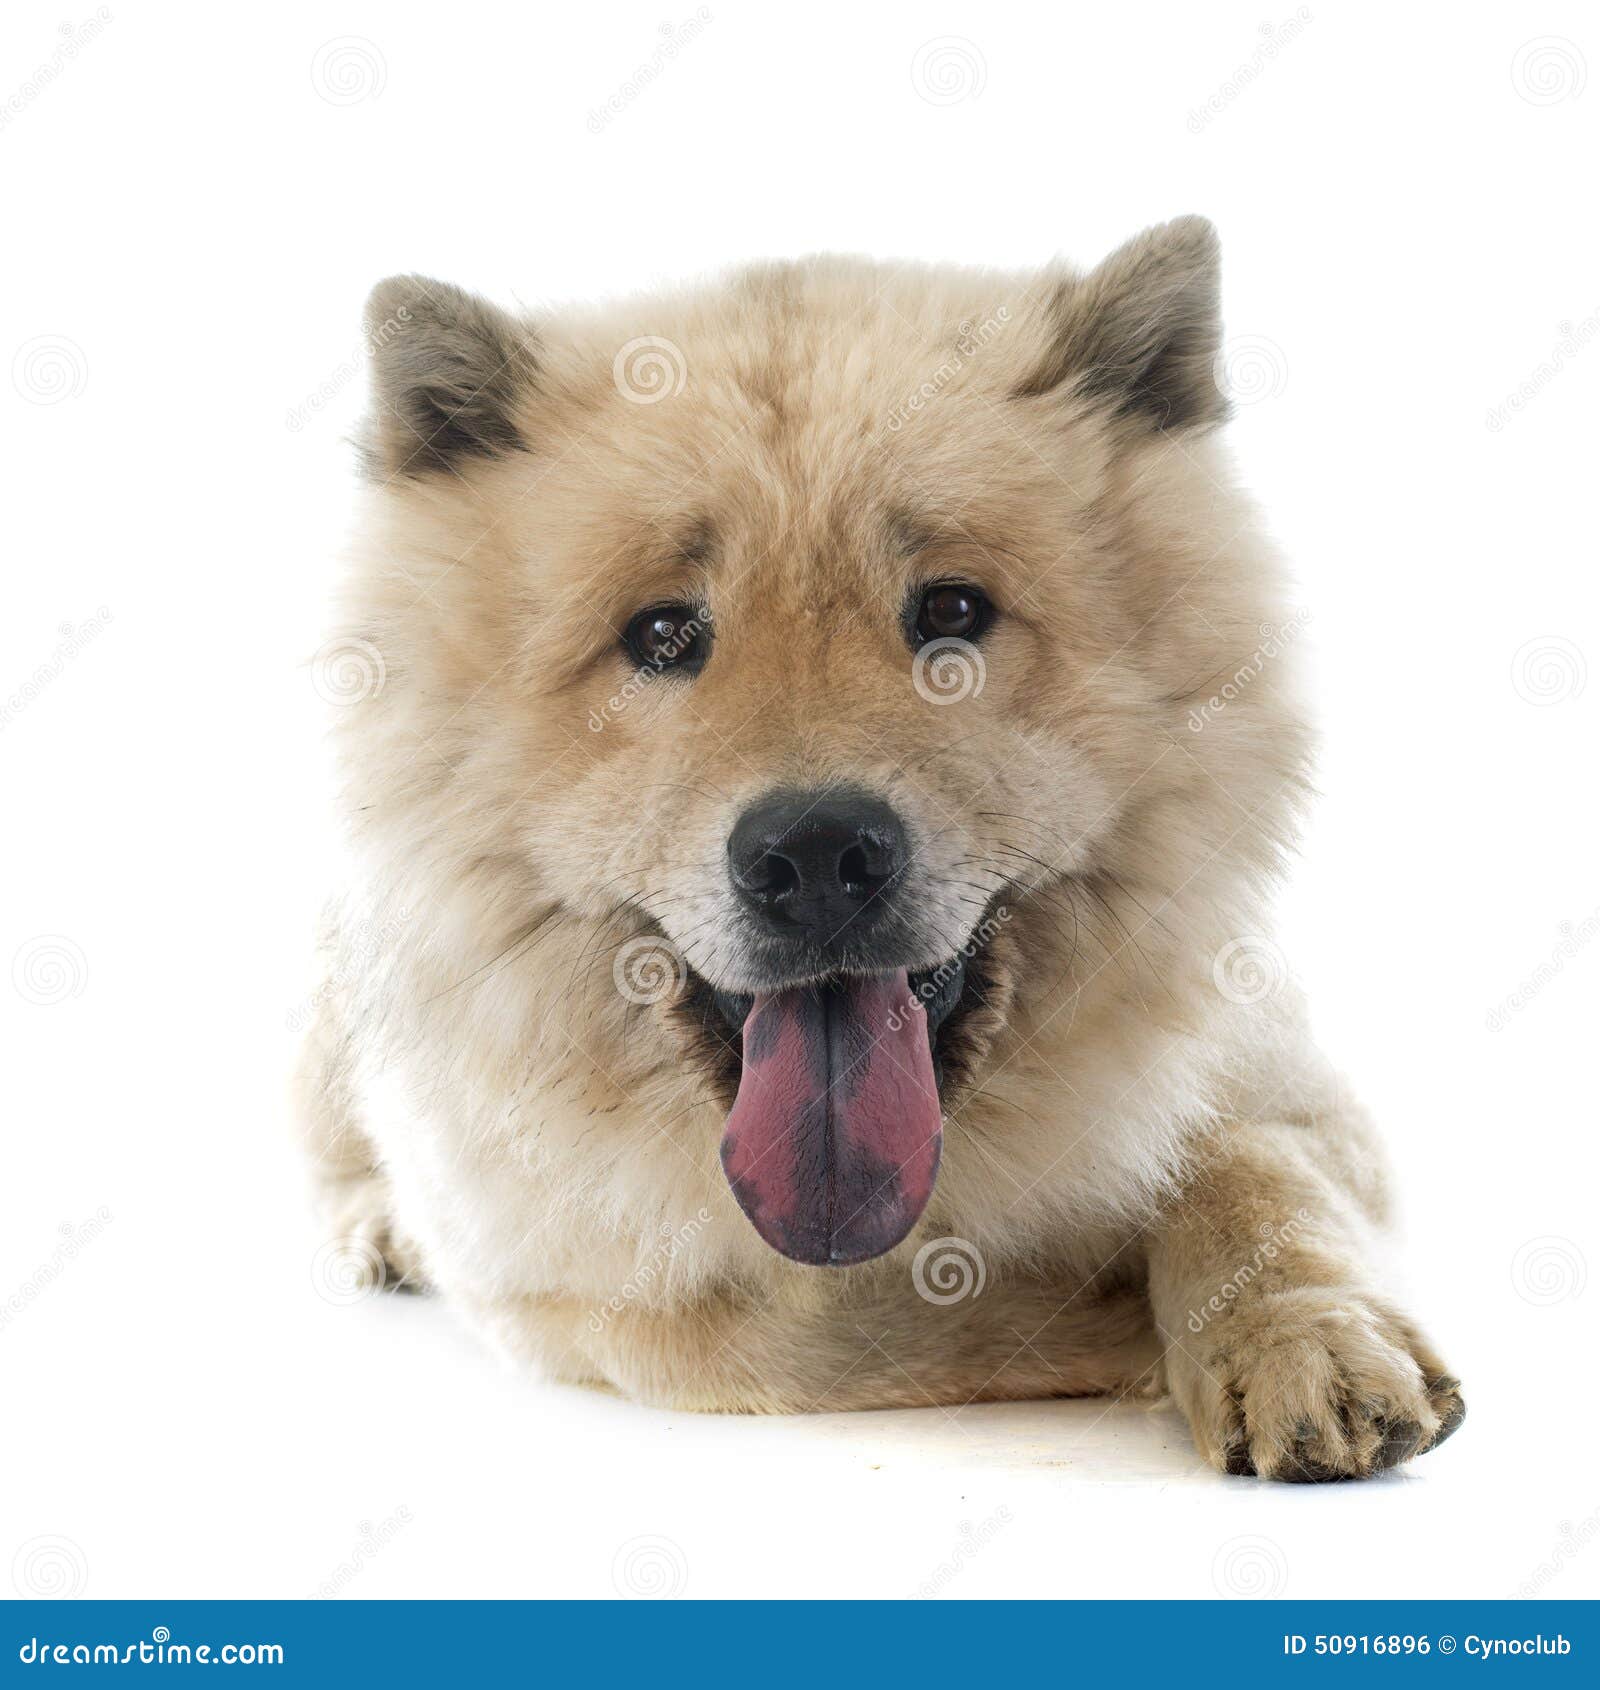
(1163, 1184)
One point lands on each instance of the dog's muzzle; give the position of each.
(832, 1144)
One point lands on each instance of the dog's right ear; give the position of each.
(1139, 334)
(450, 372)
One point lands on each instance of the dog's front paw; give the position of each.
(1313, 1384)
(367, 1249)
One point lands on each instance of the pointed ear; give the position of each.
(1140, 333)
(449, 371)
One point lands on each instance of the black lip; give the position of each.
(937, 990)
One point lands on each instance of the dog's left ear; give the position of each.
(1139, 334)
(449, 374)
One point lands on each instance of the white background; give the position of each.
(196, 200)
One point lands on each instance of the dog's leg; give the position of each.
(351, 1192)
(805, 1348)
(1287, 1358)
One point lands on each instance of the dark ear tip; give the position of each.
(1192, 240)
(401, 299)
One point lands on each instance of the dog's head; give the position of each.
(822, 646)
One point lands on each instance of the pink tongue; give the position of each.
(832, 1144)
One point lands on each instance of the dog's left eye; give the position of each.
(951, 612)
(669, 636)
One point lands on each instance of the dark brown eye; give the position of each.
(669, 636)
(951, 613)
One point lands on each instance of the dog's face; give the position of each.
(818, 643)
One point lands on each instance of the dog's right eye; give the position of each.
(669, 636)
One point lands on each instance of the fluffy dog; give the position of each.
(823, 750)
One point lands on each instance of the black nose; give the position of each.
(815, 863)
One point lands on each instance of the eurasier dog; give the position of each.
(817, 750)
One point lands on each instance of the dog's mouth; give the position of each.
(832, 1143)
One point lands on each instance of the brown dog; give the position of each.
(817, 752)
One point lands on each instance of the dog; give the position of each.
(823, 748)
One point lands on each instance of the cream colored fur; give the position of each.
(502, 1123)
